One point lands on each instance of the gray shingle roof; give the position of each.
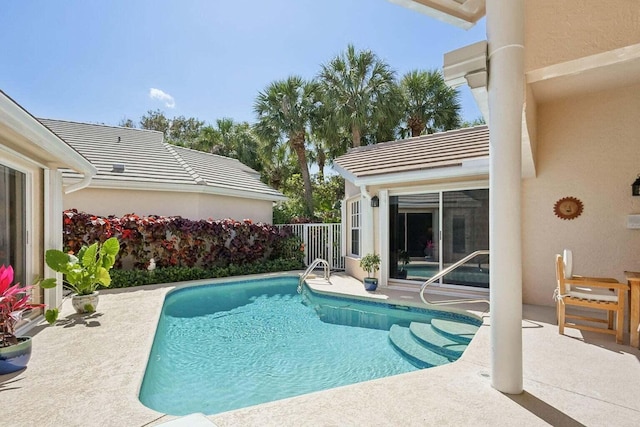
(148, 159)
(439, 150)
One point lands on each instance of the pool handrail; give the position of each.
(312, 266)
(446, 271)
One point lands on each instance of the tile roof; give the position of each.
(438, 150)
(148, 159)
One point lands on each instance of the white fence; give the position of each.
(320, 241)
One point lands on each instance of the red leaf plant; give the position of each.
(14, 301)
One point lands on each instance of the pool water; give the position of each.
(228, 346)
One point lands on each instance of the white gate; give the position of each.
(320, 241)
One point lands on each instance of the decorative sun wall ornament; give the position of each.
(568, 208)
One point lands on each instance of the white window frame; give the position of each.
(355, 223)
(10, 161)
(441, 189)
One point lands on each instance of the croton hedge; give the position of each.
(179, 242)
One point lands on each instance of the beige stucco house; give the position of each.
(31, 190)
(432, 197)
(137, 172)
(558, 83)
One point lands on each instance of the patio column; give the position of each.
(53, 230)
(505, 34)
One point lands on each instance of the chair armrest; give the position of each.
(595, 279)
(596, 284)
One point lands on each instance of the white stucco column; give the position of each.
(383, 236)
(505, 34)
(53, 230)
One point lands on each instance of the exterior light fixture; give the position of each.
(375, 202)
(635, 187)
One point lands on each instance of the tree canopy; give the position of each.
(302, 125)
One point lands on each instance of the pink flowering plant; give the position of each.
(15, 300)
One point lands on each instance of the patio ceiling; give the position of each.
(607, 70)
(461, 13)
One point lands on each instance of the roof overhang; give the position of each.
(594, 73)
(34, 141)
(461, 13)
(470, 65)
(107, 184)
(467, 168)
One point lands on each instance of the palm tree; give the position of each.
(318, 156)
(360, 89)
(285, 110)
(431, 105)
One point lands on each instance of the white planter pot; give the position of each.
(85, 303)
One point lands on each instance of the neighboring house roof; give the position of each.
(460, 152)
(150, 163)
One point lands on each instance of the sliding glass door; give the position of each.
(13, 228)
(430, 231)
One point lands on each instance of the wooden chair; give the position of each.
(589, 292)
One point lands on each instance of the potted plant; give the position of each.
(370, 263)
(428, 250)
(404, 258)
(14, 301)
(86, 272)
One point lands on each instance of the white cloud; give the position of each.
(158, 94)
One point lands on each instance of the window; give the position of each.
(13, 221)
(355, 227)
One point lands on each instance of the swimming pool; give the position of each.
(226, 346)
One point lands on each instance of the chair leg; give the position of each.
(620, 317)
(610, 318)
(561, 317)
(619, 325)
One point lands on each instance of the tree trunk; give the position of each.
(297, 144)
(355, 135)
(416, 126)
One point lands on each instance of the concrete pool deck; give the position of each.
(88, 371)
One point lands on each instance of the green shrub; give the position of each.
(130, 278)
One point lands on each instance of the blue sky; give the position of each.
(98, 61)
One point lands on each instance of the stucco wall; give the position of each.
(588, 147)
(188, 205)
(549, 39)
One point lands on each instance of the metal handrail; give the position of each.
(446, 271)
(311, 267)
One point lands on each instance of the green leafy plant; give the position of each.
(370, 263)
(130, 278)
(89, 270)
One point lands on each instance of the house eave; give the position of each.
(185, 188)
(50, 148)
(468, 168)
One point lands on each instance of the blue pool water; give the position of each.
(227, 346)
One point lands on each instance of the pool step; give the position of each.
(437, 343)
(430, 338)
(456, 331)
(416, 353)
